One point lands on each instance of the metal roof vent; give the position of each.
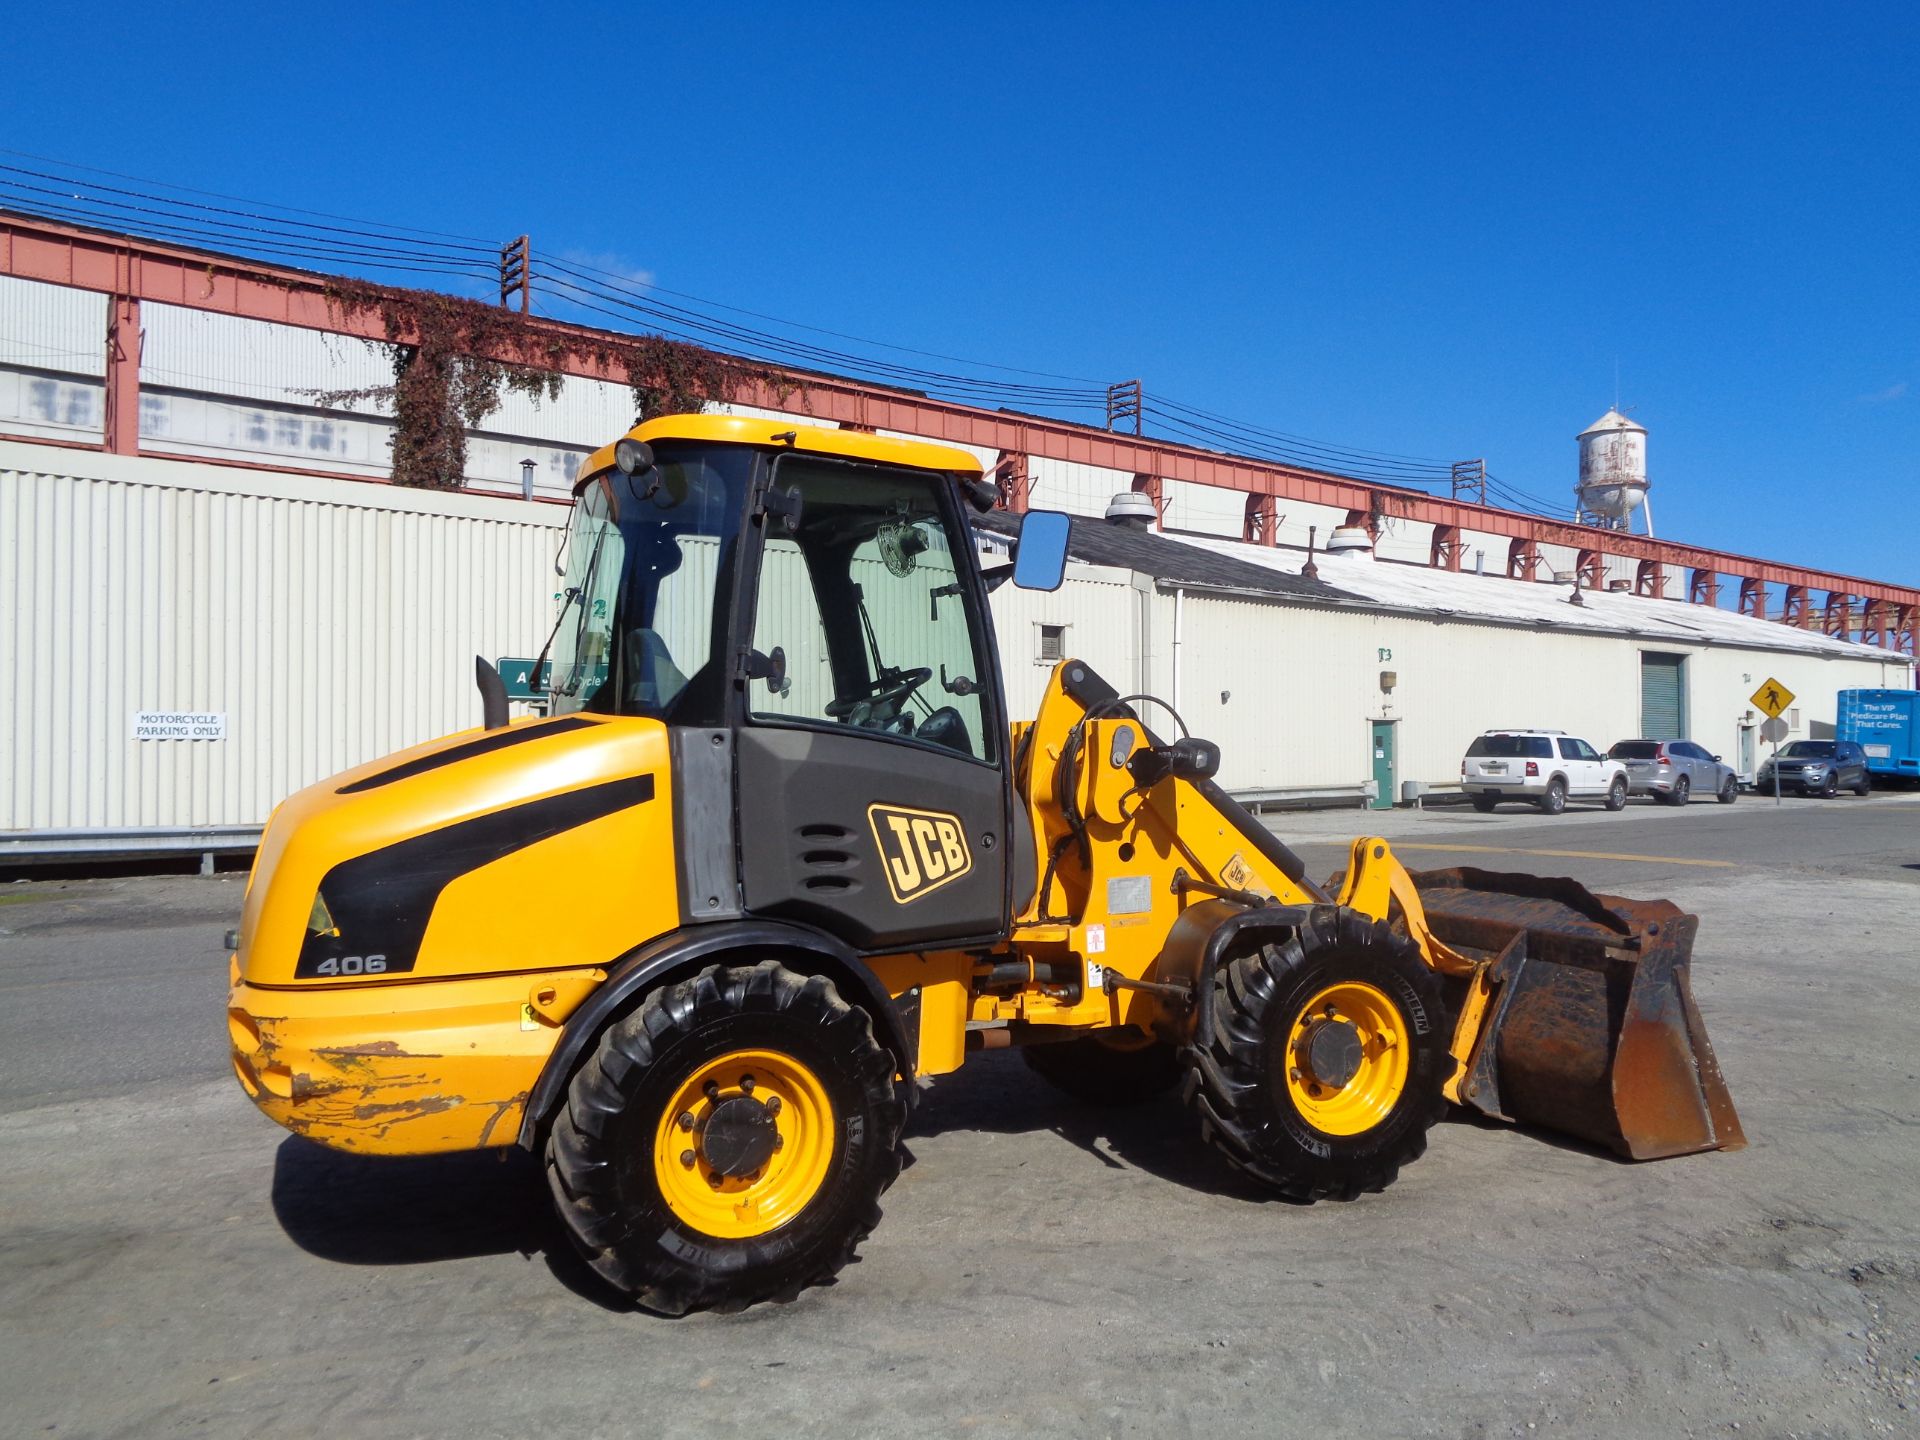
(1133, 510)
(1350, 540)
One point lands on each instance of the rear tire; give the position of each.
(1484, 804)
(1865, 786)
(677, 1237)
(1617, 793)
(1555, 800)
(1249, 1086)
(1096, 1070)
(1683, 790)
(1729, 791)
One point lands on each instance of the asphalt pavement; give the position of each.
(171, 1262)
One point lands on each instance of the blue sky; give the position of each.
(1425, 229)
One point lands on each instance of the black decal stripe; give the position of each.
(381, 901)
(454, 754)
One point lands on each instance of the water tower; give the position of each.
(1613, 474)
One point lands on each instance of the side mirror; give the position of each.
(633, 457)
(770, 668)
(1716, 759)
(1040, 553)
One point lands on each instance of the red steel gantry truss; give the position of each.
(130, 270)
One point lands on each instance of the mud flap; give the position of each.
(1591, 1028)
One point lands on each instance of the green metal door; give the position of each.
(1384, 789)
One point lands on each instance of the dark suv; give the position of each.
(1818, 767)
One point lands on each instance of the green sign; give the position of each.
(518, 673)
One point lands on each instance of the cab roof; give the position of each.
(806, 439)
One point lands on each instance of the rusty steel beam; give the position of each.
(140, 269)
(1445, 551)
(1151, 487)
(1261, 522)
(122, 430)
(1590, 569)
(1523, 558)
(1011, 479)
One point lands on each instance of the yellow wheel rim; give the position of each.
(1346, 1058)
(734, 1190)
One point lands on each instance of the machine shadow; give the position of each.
(995, 1092)
(425, 1209)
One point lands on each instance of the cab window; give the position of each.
(864, 601)
(649, 559)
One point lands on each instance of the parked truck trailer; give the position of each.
(1885, 724)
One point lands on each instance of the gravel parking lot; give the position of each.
(172, 1263)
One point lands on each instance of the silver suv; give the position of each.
(1674, 771)
(1543, 766)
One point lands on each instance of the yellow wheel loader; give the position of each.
(777, 851)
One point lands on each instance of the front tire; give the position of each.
(1832, 786)
(1729, 791)
(1323, 1074)
(1555, 800)
(1617, 794)
(1107, 1068)
(794, 1136)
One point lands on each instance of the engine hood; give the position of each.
(465, 856)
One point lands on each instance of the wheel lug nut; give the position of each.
(712, 1089)
(779, 1142)
(686, 1158)
(773, 1104)
(685, 1122)
(1294, 1074)
(746, 1083)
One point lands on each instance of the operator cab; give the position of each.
(807, 605)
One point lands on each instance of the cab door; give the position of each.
(872, 797)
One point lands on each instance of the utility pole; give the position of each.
(1125, 402)
(1470, 480)
(516, 273)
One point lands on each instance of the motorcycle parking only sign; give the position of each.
(179, 725)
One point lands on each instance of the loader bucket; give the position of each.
(1591, 1028)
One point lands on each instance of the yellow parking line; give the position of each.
(1566, 854)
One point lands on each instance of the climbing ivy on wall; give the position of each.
(446, 383)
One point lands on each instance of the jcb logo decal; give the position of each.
(920, 850)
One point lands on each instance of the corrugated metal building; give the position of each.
(258, 576)
(327, 621)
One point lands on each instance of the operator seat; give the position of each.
(653, 680)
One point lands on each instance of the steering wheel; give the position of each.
(891, 689)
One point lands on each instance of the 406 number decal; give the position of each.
(352, 965)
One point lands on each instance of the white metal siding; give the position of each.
(335, 620)
(332, 621)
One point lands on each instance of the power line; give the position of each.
(216, 195)
(278, 231)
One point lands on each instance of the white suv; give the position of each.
(1544, 766)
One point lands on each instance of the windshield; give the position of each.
(646, 556)
(1809, 750)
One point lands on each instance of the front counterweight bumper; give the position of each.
(399, 1068)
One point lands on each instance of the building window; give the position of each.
(1053, 644)
(1793, 717)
